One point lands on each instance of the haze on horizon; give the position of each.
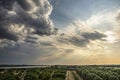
(60, 32)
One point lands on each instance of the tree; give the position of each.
(119, 77)
(106, 76)
(31, 76)
(97, 78)
(90, 76)
(112, 77)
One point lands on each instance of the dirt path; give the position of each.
(69, 75)
(77, 76)
(23, 75)
(72, 75)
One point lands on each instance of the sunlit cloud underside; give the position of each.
(42, 32)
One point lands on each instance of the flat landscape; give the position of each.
(59, 39)
(62, 73)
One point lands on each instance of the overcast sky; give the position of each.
(59, 32)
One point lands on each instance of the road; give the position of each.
(77, 76)
(72, 75)
(23, 75)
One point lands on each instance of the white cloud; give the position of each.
(104, 20)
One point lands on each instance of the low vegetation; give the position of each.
(33, 74)
(59, 73)
(99, 73)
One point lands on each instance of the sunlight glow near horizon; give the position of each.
(60, 32)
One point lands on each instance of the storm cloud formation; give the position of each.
(27, 33)
(20, 17)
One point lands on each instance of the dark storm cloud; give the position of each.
(29, 40)
(35, 40)
(24, 4)
(6, 34)
(93, 36)
(79, 42)
(81, 39)
(32, 14)
(7, 4)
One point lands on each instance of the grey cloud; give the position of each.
(93, 36)
(31, 39)
(69, 51)
(32, 14)
(79, 42)
(6, 34)
(23, 53)
(80, 34)
(9, 56)
(81, 39)
(46, 44)
(24, 4)
(5, 44)
(7, 4)
(35, 40)
(118, 18)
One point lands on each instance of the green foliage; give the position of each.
(7, 77)
(44, 75)
(57, 79)
(99, 73)
(97, 78)
(57, 73)
(112, 77)
(31, 76)
(90, 76)
(119, 77)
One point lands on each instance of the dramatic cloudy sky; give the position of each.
(59, 31)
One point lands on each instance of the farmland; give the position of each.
(62, 73)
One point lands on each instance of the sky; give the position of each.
(73, 32)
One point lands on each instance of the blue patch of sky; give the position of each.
(66, 11)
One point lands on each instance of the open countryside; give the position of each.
(62, 73)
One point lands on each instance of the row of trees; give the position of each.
(33, 74)
(99, 73)
(46, 74)
(10, 74)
